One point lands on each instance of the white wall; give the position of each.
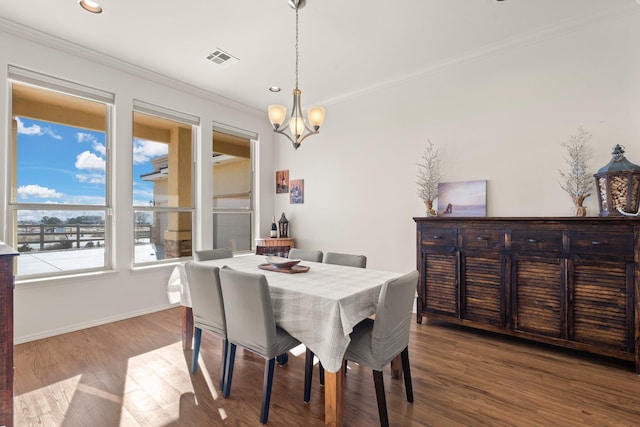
(55, 306)
(499, 118)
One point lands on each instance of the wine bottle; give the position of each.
(274, 227)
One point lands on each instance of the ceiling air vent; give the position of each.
(222, 58)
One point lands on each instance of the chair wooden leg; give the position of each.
(196, 350)
(382, 401)
(225, 349)
(269, 366)
(406, 370)
(230, 361)
(308, 374)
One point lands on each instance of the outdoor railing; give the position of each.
(42, 237)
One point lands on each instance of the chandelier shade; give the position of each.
(296, 127)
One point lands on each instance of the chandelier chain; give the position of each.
(297, 54)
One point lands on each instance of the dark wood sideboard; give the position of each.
(6, 334)
(571, 282)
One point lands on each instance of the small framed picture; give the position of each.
(465, 198)
(296, 194)
(282, 181)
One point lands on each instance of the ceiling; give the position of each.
(346, 46)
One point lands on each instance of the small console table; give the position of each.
(274, 246)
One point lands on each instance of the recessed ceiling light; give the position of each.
(90, 6)
(274, 89)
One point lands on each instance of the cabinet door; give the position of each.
(538, 295)
(440, 285)
(601, 307)
(481, 278)
(481, 288)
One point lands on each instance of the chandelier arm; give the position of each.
(297, 143)
(293, 141)
(297, 108)
(309, 133)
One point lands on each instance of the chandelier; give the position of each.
(296, 128)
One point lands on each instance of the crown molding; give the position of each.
(560, 29)
(63, 45)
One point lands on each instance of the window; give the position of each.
(163, 180)
(59, 207)
(232, 189)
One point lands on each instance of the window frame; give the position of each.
(253, 138)
(24, 77)
(142, 107)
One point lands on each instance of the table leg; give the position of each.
(187, 327)
(396, 367)
(333, 398)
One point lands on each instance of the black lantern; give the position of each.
(283, 226)
(618, 185)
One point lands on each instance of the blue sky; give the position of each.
(66, 165)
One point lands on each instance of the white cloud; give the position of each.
(34, 190)
(31, 130)
(88, 160)
(144, 150)
(93, 178)
(100, 148)
(86, 200)
(85, 137)
(36, 130)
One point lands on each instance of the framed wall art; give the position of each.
(465, 198)
(282, 181)
(296, 193)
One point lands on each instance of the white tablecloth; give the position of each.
(319, 307)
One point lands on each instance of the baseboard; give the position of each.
(77, 327)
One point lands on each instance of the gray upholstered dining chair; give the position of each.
(305, 254)
(209, 254)
(208, 309)
(345, 259)
(376, 342)
(251, 325)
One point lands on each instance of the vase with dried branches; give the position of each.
(577, 180)
(429, 176)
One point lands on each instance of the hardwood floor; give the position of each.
(135, 373)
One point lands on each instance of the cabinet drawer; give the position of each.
(438, 236)
(482, 238)
(536, 240)
(607, 243)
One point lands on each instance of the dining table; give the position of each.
(319, 306)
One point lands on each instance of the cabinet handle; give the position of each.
(481, 238)
(596, 243)
(437, 237)
(533, 241)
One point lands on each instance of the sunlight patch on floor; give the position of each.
(99, 393)
(202, 368)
